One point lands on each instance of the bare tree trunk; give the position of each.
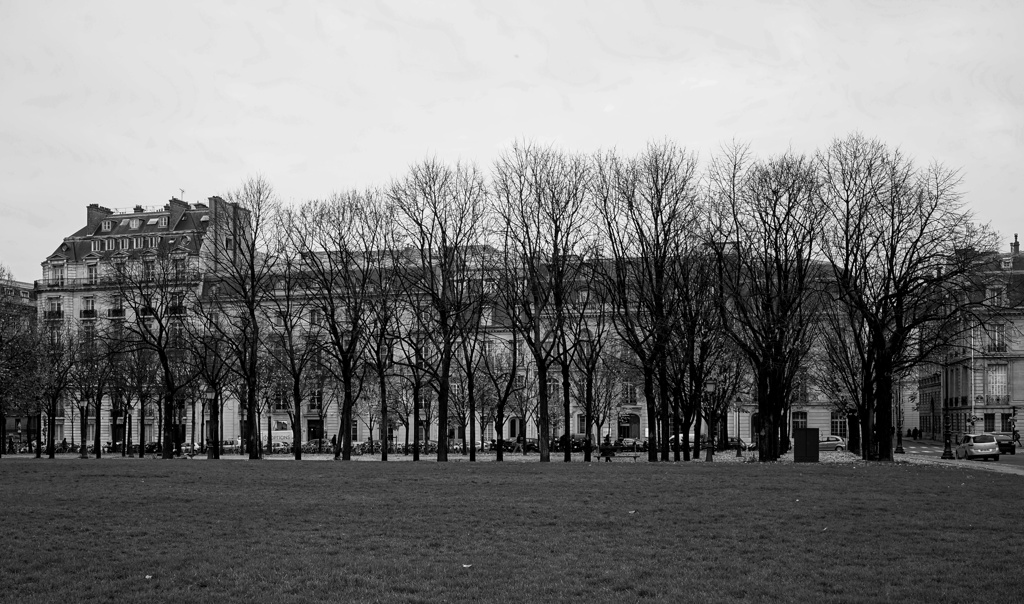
(142, 429)
(589, 416)
(471, 391)
(416, 421)
(83, 412)
(499, 431)
(168, 425)
(386, 442)
(545, 421)
(566, 411)
(663, 389)
(99, 418)
(652, 409)
(51, 427)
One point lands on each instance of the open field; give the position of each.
(188, 530)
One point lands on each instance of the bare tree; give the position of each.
(238, 249)
(647, 204)
(590, 326)
(334, 236)
(380, 243)
(294, 315)
(844, 368)
(137, 378)
(156, 286)
(442, 219)
(60, 358)
(523, 404)
(542, 199)
(212, 360)
(902, 246)
(17, 350)
(503, 370)
(606, 381)
(768, 223)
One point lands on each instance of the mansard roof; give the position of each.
(183, 221)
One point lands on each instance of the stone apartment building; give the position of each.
(79, 285)
(980, 382)
(19, 300)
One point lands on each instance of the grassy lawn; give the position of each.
(146, 530)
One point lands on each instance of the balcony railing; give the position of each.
(995, 348)
(67, 283)
(176, 311)
(89, 313)
(115, 313)
(53, 315)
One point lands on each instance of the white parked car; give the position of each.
(831, 442)
(973, 446)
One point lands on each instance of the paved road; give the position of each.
(932, 449)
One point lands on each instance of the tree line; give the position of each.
(457, 295)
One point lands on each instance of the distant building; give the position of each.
(980, 381)
(79, 282)
(19, 307)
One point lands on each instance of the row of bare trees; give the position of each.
(478, 297)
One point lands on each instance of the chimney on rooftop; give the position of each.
(1015, 246)
(139, 210)
(94, 213)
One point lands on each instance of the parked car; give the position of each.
(973, 446)
(730, 444)
(831, 442)
(1005, 443)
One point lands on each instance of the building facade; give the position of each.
(81, 285)
(979, 384)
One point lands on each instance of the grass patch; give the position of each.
(234, 531)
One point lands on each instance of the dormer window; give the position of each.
(134, 223)
(107, 226)
(163, 222)
(97, 245)
(1007, 263)
(995, 296)
(123, 243)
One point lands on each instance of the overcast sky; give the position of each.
(125, 103)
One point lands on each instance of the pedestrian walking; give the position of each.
(1016, 437)
(607, 450)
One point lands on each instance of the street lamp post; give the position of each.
(947, 436)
